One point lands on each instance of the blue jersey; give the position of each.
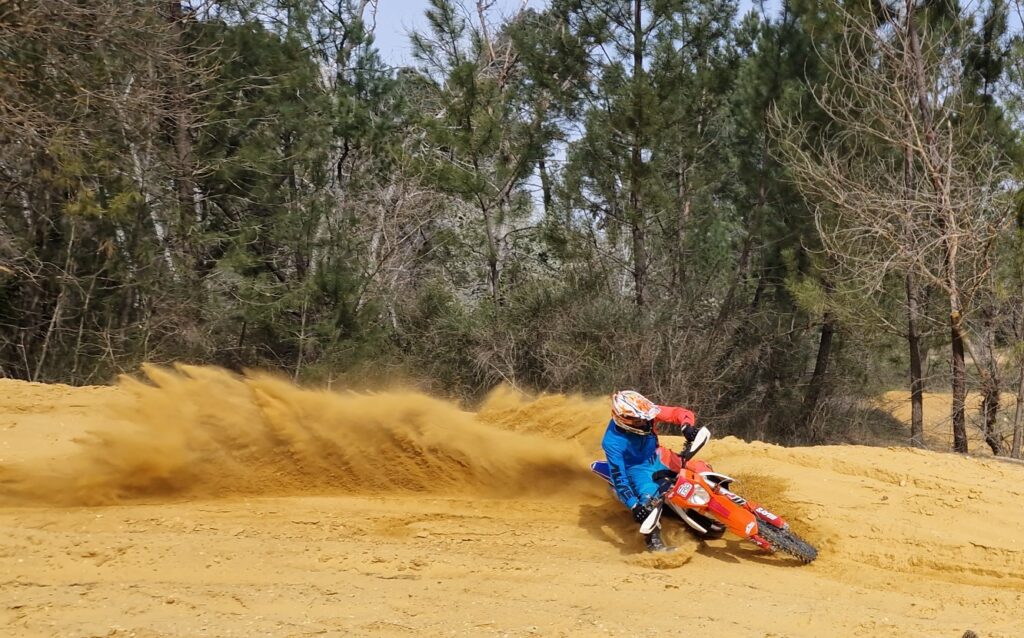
(624, 450)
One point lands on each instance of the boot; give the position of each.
(654, 543)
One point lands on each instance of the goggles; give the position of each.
(636, 425)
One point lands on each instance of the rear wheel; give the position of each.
(785, 540)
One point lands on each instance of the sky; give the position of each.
(396, 18)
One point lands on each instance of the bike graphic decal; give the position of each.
(735, 498)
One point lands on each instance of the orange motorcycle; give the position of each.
(701, 498)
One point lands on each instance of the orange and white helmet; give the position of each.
(633, 412)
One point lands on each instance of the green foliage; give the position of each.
(249, 183)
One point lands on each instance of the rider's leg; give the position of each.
(646, 488)
(654, 543)
(640, 478)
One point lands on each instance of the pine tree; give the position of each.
(478, 149)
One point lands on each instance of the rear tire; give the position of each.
(786, 541)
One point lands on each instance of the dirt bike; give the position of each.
(700, 497)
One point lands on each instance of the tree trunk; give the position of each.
(916, 378)
(493, 272)
(57, 316)
(817, 383)
(741, 275)
(302, 338)
(183, 178)
(913, 336)
(1018, 416)
(141, 168)
(990, 411)
(959, 381)
(636, 161)
(957, 337)
(991, 386)
(640, 263)
(545, 187)
(937, 169)
(763, 427)
(682, 223)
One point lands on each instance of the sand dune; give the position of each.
(200, 503)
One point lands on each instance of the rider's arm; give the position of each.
(679, 416)
(617, 469)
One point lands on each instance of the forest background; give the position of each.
(770, 216)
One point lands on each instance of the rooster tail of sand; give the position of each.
(204, 432)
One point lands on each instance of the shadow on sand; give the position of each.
(610, 523)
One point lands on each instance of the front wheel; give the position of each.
(785, 540)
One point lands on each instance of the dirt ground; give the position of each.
(201, 504)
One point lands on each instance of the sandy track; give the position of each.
(912, 543)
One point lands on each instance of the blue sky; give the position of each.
(395, 18)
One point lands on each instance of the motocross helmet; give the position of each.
(633, 412)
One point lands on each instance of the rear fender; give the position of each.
(717, 479)
(763, 514)
(759, 512)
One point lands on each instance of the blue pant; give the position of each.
(640, 478)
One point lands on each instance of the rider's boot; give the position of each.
(654, 543)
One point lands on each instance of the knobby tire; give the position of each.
(786, 541)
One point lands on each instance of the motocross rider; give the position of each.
(630, 445)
